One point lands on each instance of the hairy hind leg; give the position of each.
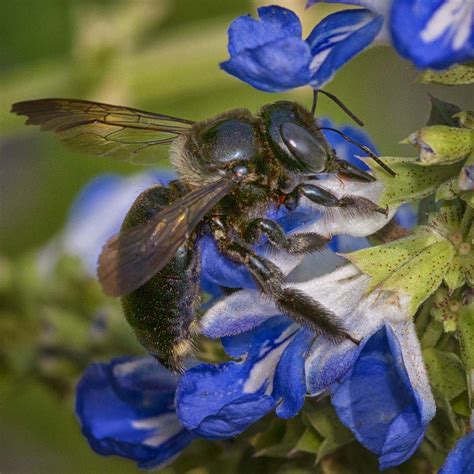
(294, 303)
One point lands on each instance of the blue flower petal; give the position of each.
(220, 401)
(220, 270)
(291, 220)
(275, 23)
(347, 243)
(237, 313)
(268, 54)
(435, 34)
(406, 216)
(361, 3)
(290, 383)
(126, 408)
(211, 401)
(143, 382)
(461, 458)
(250, 342)
(378, 384)
(339, 37)
(328, 363)
(274, 67)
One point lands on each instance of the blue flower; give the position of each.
(126, 408)
(219, 401)
(461, 458)
(271, 55)
(432, 34)
(281, 362)
(385, 398)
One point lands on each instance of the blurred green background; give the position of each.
(158, 55)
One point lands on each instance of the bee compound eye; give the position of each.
(304, 146)
(240, 171)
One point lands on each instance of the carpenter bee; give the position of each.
(230, 170)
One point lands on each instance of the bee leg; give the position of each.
(294, 244)
(344, 169)
(294, 303)
(325, 198)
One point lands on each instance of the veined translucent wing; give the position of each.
(131, 257)
(121, 133)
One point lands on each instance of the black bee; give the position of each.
(231, 169)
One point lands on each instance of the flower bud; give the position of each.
(466, 175)
(465, 119)
(440, 144)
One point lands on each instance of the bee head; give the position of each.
(294, 138)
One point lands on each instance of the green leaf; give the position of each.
(442, 113)
(290, 469)
(443, 431)
(461, 405)
(310, 442)
(446, 373)
(413, 181)
(293, 430)
(455, 76)
(466, 343)
(432, 334)
(271, 436)
(325, 421)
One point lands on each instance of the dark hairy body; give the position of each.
(231, 170)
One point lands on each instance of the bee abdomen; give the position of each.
(162, 311)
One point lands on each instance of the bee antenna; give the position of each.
(352, 115)
(364, 148)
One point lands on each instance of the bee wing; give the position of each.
(131, 257)
(121, 133)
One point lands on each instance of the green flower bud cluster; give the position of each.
(447, 308)
(433, 267)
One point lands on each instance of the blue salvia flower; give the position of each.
(127, 408)
(432, 34)
(379, 389)
(270, 53)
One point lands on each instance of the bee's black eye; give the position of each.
(304, 147)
